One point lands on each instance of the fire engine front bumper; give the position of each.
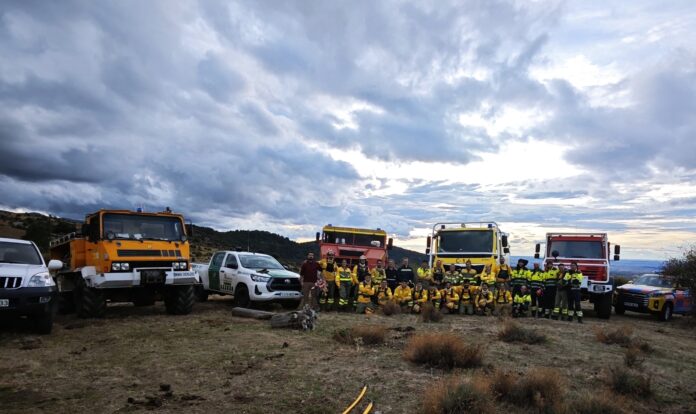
(143, 277)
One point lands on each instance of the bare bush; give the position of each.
(443, 350)
(430, 314)
(626, 382)
(512, 332)
(455, 395)
(623, 335)
(365, 334)
(391, 308)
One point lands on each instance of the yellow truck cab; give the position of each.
(454, 243)
(126, 256)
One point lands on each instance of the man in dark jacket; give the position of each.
(391, 273)
(406, 273)
(309, 273)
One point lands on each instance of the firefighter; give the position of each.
(434, 296)
(391, 273)
(560, 309)
(575, 292)
(438, 274)
(521, 303)
(467, 300)
(406, 273)
(345, 280)
(519, 276)
(487, 275)
(378, 274)
(549, 289)
(329, 268)
(451, 299)
(383, 294)
(403, 295)
(503, 300)
(420, 297)
(468, 273)
(502, 271)
(536, 285)
(365, 293)
(360, 270)
(452, 276)
(484, 301)
(425, 277)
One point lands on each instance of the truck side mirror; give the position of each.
(318, 237)
(617, 252)
(506, 250)
(536, 255)
(390, 243)
(505, 241)
(427, 242)
(55, 265)
(427, 250)
(537, 250)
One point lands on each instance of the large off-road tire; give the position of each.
(89, 303)
(43, 322)
(241, 297)
(144, 298)
(201, 293)
(665, 314)
(602, 307)
(179, 300)
(66, 303)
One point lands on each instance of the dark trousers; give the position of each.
(574, 303)
(549, 299)
(536, 301)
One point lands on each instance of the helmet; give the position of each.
(330, 252)
(363, 257)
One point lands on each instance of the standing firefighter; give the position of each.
(487, 276)
(550, 284)
(439, 274)
(424, 275)
(406, 273)
(378, 274)
(309, 274)
(536, 284)
(519, 276)
(502, 272)
(574, 298)
(329, 268)
(345, 281)
(365, 293)
(560, 310)
(392, 275)
(468, 274)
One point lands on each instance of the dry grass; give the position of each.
(391, 308)
(626, 382)
(591, 403)
(540, 389)
(430, 314)
(456, 395)
(512, 332)
(363, 334)
(623, 335)
(633, 357)
(443, 350)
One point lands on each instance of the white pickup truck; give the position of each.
(26, 287)
(250, 278)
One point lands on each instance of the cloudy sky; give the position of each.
(285, 116)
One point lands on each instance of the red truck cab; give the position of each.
(350, 243)
(591, 251)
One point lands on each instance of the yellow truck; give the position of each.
(454, 243)
(126, 256)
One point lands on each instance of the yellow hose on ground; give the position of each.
(357, 400)
(368, 408)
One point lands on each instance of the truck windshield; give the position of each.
(19, 253)
(127, 226)
(259, 262)
(652, 280)
(470, 241)
(577, 249)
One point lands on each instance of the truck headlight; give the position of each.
(116, 266)
(180, 265)
(260, 279)
(42, 279)
(125, 266)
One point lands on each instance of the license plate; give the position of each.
(287, 294)
(4, 303)
(630, 305)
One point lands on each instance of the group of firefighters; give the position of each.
(552, 292)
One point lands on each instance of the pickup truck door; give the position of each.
(228, 272)
(214, 271)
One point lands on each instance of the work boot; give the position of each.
(580, 319)
(547, 315)
(534, 314)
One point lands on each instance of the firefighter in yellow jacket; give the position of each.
(328, 271)
(574, 297)
(484, 301)
(451, 299)
(467, 299)
(521, 302)
(434, 296)
(365, 293)
(420, 297)
(425, 276)
(503, 300)
(488, 276)
(403, 295)
(378, 274)
(384, 294)
(345, 281)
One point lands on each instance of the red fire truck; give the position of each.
(351, 243)
(592, 253)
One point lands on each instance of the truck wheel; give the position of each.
(602, 307)
(43, 323)
(241, 297)
(179, 300)
(66, 303)
(291, 305)
(666, 313)
(89, 303)
(201, 293)
(144, 298)
(619, 309)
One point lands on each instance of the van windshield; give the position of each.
(22, 253)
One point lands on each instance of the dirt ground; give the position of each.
(140, 359)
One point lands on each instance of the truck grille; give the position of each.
(7, 282)
(638, 298)
(349, 253)
(282, 283)
(148, 253)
